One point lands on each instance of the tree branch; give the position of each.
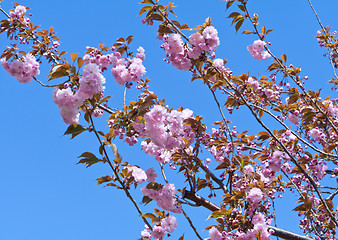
(278, 232)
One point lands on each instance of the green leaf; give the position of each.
(74, 130)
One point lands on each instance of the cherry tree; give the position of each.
(236, 174)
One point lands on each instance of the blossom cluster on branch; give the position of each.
(245, 173)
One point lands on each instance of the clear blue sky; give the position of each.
(44, 194)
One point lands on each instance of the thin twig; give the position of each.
(301, 195)
(277, 140)
(213, 177)
(44, 85)
(284, 68)
(274, 214)
(4, 12)
(117, 175)
(332, 195)
(324, 29)
(191, 225)
(163, 173)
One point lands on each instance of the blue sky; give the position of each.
(44, 194)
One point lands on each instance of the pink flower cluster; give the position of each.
(257, 50)
(275, 161)
(255, 197)
(207, 41)
(124, 69)
(151, 175)
(259, 226)
(317, 134)
(24, 69)
(103, 61)
(179, 53)
(129, 70)
(97, 112)
(138, 174)
(166, 131)
(68, 105)
(293, 117)
(175, 50)
(19, 14)
(164, 197)
(167, 225)
(91, 83)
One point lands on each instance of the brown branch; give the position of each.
(4, 12)
(213, 177)
(284, 68)
(272, 134)
(278, 232)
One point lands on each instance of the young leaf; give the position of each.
(88, 159)
(239, 24)
(73, 56)
(74, 130)
(80, 62)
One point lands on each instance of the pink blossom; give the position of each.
(248, 169)
(91, 82)
(129, 71)
(68, 105)
(145, 234)
(174, 48)
(181, 62)
(198, 44)
(141, 54)
(260, 225)
(253, 83)
(257, 50)
(219, 63)
(151, 175)
(166, 129)
(164, 197)
(255, 196)
(293, 118)
(275, 161)
(24, 69)
(19, 14)
(174, 45)
(210, 35)
(169, 224)
(138, 174)
(158, 232)
(214, 234)
(317, 134)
